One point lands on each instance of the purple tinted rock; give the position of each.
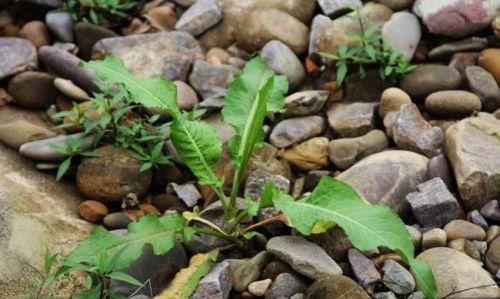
(491, 210)
(478, 219)
(439, 167)
(216, 284)
(16, 55)
(454, 18)
(433, 205)
(364, 270)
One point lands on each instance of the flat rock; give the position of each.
(66, 65)
(457, 273)
(428, 78)
(168, 54)
(336, 7)
(472, 146)
(16, 55)
(199, 17)
(364, 269)
(16, 133)
(403, 32)
(263, 25)
(280, 58)
(311, 154)
(37, 213)
(466, 45)
(433, 204)
(352, 119)
(40, 150)
(303, 256)
(293, 130)
(60, 24)
(399, 173)
(87, 35)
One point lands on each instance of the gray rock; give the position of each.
(260, 26)
(66, 65)
(336, 287)
(319, 24)
(298, 296)
(40, 150)
(280, 58)
(439, 167)
(159, 270)
(199, 17)
(60, 24)
(478, 219)
(168, 54)
(403, 32)
(116, 220)
(472, 150)
(186, 192)
(294, 130)
(345, 152)
(216, 284)
(428, 78)
(416, 295)
(305, 103)
(352, 119)
(466, 45)
(364, 270)
(16, 55)
(412, 132)
(210, 79)
(461, 61)
(33, 90)
(336, 7)
(384, 295)
(37, 213)
(303, 256)
(87, 35)
(452, 103)
(491, 210)
(433, 205)
(284, 286)
(397, 278)
(455, 272)
(400, 173)
(249, 271)
(484, 85)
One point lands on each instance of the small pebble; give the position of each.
(434, 238)
(259, 288)
(92, 211)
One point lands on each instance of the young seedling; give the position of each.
(255, 93)
(72, 150)
(100, 12)
(370, 49)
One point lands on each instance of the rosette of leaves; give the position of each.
(100, 12)
(255, 93)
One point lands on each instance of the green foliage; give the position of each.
(254, 93)
(100, 12)
(366, 226)
(186, 281)
(72, 149)
(370, 49)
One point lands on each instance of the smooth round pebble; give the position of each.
(117, 220)
(259, 288)
(92, 211)
(452, 103)
(69, 89)
(434, 238)
(461, 229)
(391, 100)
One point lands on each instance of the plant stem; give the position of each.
(233, 224)
(279, 217)
(208, 231)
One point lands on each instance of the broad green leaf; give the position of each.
(199, 146)
(254, 93)
(159, 232)
(253, 207)
(366, 226)
(425, 279)
(154, 93)
(121, 276)
(186, 280)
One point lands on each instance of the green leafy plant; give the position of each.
(44, 280)
(71, 150)
(111, 118)
(101, 12)
(370, 50)
(255, 93)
